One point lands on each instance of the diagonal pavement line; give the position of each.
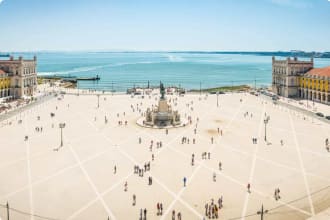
(92, 183)
(122, 180)
(59, 172)
(254, 160)
(96, 199)
(302, 166)
(184, 203)
(239, 183)
(199, 166)
(163, 186)
(272, 162)
(27, 146)
(107, 139)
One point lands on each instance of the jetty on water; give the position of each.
(72, 79)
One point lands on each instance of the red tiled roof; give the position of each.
(319, 72)
(2, 72)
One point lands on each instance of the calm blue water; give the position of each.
(122, 70)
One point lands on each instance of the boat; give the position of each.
(89, 78)
(72, 78)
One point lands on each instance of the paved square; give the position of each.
(79, 181)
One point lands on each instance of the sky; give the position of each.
(162, 25)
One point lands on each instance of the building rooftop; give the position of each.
(19, 60)
(319, 72)
(2, 72)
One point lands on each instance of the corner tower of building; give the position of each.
(23, 76)
(286, 73)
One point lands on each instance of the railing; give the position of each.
(190, 84)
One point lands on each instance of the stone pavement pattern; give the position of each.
(78, 181)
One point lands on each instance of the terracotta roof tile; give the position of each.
(319, 72)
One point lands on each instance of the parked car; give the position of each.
(327, 117)
(320, 114)
(275, 97)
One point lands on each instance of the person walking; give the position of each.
(125, 187)
(161, 208)
(173, 215)
(145, 214)
(179, 215)
(220, 200)
(134, 199)
(248, 188)
(184, 181)
(158, 209)
(206, 209)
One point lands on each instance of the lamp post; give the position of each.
(262, 212)
(266, 120)
(62, 125)
(98, 100)
(217, 98)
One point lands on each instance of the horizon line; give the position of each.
(165, 51)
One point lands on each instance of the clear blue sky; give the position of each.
(245, 25)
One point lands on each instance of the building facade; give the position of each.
(299, 79)
(22, 75)
(4, 85)
(285, 74)
(315, 85)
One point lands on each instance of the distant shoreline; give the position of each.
(293, 53)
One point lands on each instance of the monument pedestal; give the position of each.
(163, 106)
(163, 116)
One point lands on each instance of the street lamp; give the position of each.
(98, 100)
(266, 120)
(62, 125)
(262, 212)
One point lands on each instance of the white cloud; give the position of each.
(1, 1)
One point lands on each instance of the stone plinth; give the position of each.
(163, 106)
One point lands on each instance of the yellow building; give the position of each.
(315, 85)
(4, 85)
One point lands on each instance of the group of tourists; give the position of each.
(178, 215)
(37, 129)
(143, 214)
(120, 122)
(140, 171)
(159, 144)
(212, 209)
(246, 114)
(206, 155)
(159, 208)
(185, 140)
